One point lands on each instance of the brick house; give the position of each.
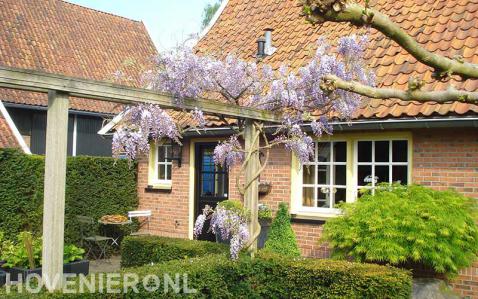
(64, 38)
(431, 144)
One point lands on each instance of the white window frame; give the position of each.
(330, 185)
(373, 163)
(351, 139)
(154, 179)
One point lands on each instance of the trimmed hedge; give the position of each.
(144, 250)
(269, 276)
(95, 186)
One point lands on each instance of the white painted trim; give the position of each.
(104, 130)
(75, 135)
(211, 23)
(14, 129)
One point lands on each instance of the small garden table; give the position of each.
(117, 235)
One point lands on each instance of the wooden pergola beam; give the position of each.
(32, 80)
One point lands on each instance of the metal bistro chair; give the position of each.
(146, 214)
(87, 230)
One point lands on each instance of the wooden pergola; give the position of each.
(59, 89)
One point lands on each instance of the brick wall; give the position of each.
(170, 209)
(444, 158)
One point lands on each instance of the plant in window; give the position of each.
(404, 225)
(229, 219)
(281, 237)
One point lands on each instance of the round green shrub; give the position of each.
(407, 224)
(281, 237)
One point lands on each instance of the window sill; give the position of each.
(313, 218)
(159, 188)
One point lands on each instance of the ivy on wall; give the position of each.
(95, 186)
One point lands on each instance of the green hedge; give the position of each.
(95, 186)
(270, 276)
(143, 250)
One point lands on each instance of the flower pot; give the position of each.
(265, 188)
(21, 274)
(3, 277)
(76, 267)
(265, 226)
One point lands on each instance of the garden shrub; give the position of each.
(95, 186)
(407, 224)
(269, 276)
(281, 238)
(144, 250)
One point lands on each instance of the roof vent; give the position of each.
(261, 47)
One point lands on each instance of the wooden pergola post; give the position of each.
(251, 196)
(54, 190)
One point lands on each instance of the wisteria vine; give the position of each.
(302, 97)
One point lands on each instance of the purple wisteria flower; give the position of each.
(140, 125)
(228, 223)
(228, 152)
(198, 117)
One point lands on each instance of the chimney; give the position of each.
(269, 50)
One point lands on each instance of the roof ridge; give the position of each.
(100, 11)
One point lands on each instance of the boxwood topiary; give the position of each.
(407, 224)
(281, 238)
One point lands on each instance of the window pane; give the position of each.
(323, 149)
(221, 185)
(308, 174)
(308, 197)
(161, 172)
(364, 175)
(340, 151)
(382, 153)
(324, 174)
(400, 173)
(161, 153)
(382, 174)
(340, 172)
(169, 151)
(400, 151)
(340, 195)
(168, 172)
(365, 151)
(323, 195)
(207, 184)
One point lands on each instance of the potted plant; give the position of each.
(24, 258)
(265, 220)
(229, 224)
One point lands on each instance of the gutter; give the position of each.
(340, 126)
(14, 129)
(44, 108)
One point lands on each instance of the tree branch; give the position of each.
(332, 82)
(340, 11)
